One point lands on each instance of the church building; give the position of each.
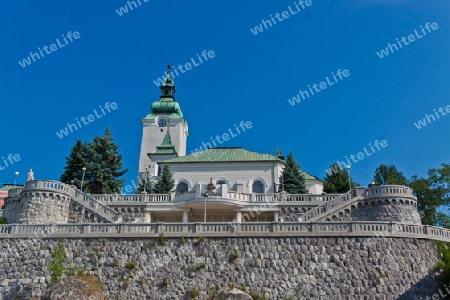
(223, 169)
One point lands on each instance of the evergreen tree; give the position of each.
(388, 174)
(145, 183)
(75, 163)
(166, 183)
(292, 178)
(336, 180)
(103, 166)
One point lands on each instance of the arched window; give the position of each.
(222, 180)
(182, 187)
(258, 187)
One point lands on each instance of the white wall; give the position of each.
(233, 172)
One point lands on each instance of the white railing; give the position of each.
(388, 190)
(49, 184)
(326, 207)
(238, 196)
(109, 198)
(312, 229)
(96, 206)
(269, 197)
(310, 197)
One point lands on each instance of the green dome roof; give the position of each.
(166, 104)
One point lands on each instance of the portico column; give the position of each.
(185, 216)
(239, 216)
(275, 216)
(148, 217)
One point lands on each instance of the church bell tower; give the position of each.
(165, 113)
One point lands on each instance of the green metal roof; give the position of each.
(166, 104)
(8, 187)
(214, 155)
(166, 146)
(309, 176)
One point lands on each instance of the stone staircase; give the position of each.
(320, 212)
(96, 207)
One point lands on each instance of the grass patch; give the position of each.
(131, 265)
(194, 293)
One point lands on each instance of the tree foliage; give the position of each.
(145, 184)
(388, 174)
(166, 183)
(293, 179)
(103, 166)
(433, 193)
(336, 180)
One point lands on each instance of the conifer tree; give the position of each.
(145, 183)
(166, 183)
(75, 163)
(292, 179)
(336, 180)
(103, 166)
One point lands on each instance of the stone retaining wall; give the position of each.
(38, 208)
(295, 268)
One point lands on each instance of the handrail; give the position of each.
(97, 206)
(320, 210)
(259, 229)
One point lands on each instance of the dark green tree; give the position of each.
(75, 163)
(166, 183)
(103, 166)
(388, 174)
(145, 183)
(336, 180)
(292, 179)
(432, 193)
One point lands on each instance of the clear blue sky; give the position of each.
(116, 58)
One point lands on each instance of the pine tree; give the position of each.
(166, 183)
(75, 163)
(145, 183)
(388, 174)
(103, 166)
(336, 180)
(292, 179)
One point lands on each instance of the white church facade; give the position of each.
(164, 142)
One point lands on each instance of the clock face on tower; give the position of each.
(162, 122)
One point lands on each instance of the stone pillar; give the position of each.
(275, 216)
(148, 217)
(185, 216)
(224, 188)
(238, 216)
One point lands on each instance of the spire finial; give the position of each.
(278, 150)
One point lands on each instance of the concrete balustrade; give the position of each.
(313, 229)
(388, 191)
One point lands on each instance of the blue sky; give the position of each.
(116, 58)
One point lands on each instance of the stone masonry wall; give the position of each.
(12, 210)
(400, 213)
(38, 208)
(294, 268)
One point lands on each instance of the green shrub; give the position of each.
(131, 265)
(3, 221)
(162, 239)
(233, 257)
(194, 293)
(201, 239)
(55, 267)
